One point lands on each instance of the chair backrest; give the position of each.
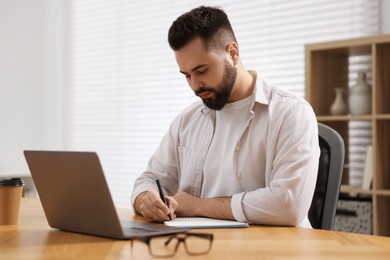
(323, 208)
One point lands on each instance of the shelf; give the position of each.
(383, 192)
(345, 118)
(353, 190)
(382, 116)
(352, 46)
(330, 65)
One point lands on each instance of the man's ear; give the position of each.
(233, 52)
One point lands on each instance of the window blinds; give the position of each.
(125, 87)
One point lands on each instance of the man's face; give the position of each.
(209, 75)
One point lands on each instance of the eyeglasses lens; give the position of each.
(197, 245)
(167, 245)
(163, 246)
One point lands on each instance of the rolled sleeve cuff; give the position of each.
(236, 205)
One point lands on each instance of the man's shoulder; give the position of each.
(282, 95)
(270, 94)
(279, 100)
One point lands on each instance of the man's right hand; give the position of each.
(153, 209)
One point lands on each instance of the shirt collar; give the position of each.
(262, 89)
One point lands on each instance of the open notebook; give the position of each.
(201, 222)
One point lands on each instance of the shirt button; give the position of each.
(237, 148)
(238, 175)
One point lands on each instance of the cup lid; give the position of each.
(12, 182)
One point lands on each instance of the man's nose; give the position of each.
(196, 83)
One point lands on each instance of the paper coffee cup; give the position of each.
(10, 196)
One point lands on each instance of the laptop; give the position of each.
(76, 198)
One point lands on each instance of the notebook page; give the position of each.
(202, 222)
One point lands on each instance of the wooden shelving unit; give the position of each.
(327, 67)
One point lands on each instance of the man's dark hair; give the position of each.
(210, 24)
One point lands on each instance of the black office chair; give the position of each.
(323, 207)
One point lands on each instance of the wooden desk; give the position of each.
(34, 239)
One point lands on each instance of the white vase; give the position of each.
(339, 107)
(360, 96)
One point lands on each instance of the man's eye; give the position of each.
(201, 71)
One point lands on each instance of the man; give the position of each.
(248, 152)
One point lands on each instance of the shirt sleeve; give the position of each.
(292, 157)
(162, 165)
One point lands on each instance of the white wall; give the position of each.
(31, 80)
(33, 87)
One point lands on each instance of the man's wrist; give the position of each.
(137, 202)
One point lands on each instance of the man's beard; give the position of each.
(221, 95)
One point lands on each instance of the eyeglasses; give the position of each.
(167, 245)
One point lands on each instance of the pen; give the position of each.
(162, 195)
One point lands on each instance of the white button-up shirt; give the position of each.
(275, 161)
